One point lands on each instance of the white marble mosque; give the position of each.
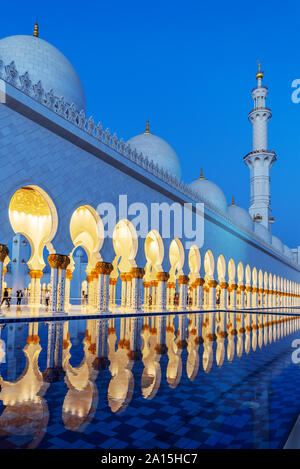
(58, 165)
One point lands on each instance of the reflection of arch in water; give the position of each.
(121, 386)
(81, 400)
(79, 407)
(193, 360)
(26, 411)
(220, 352)
(120, 391)
(208, 356)
(151, 378)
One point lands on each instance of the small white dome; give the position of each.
(210, 192)
(240, 216)
(44, 63)
(157, 150)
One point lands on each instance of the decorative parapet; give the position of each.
(69, 112)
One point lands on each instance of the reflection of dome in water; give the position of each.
(157, 150)
(44, 63)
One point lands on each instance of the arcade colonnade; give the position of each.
(224, 285)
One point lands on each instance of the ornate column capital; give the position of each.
(212, 283)
(199, 282)
(94, 273)
(183, 280)
(58, 261)
(36, 273)
(69, 274)
(162, 276)
(223, 285)
(137, 272)
(4, 251)
(104, 268)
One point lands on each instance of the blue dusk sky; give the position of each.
(189, 67)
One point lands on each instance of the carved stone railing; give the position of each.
(68, 111)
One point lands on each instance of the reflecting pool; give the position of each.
(196, 380)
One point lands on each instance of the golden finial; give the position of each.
(201, 173)
(36, 30)
(259, 73)
(147, 128)
(233, 201)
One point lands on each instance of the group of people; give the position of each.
(7, 297)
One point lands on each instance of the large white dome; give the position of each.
(44, 63)
(158, 150)
(240, 216)
(210, 192)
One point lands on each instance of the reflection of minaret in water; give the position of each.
(260, 159)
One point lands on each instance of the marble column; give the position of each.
(183, 281)
(162, 279)
(232, 289)
(212, 294)
(4, 251)
(124, 290)
(146, 286)
(35, 293)
(154, 285)
(137, 275)
(94, 298)
(103, 270)
(64, 262)
(128, 290)
(171, 294)
(199, 282)
(54, 261)
(249, 296)
(90, 285)
(242, 297)
(254, 297)
(69, 276)
(112, 293)
(223, 295)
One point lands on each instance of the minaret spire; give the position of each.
(36, 29)
(147, 128)
(260, 159)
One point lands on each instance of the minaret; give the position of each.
(260, 159)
